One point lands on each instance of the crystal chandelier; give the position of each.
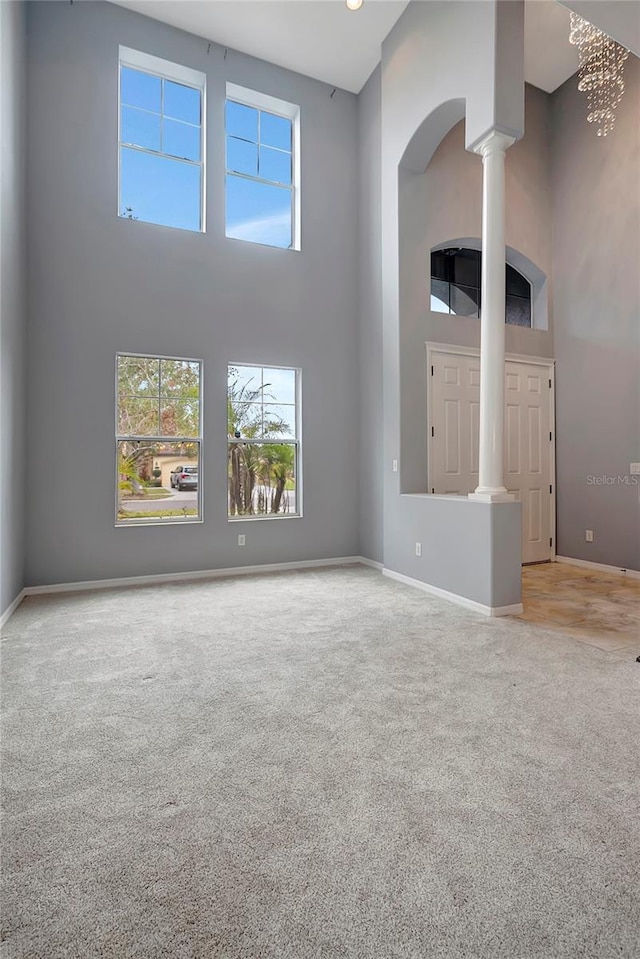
(601, 71)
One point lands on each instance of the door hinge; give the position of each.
(550, 436)
(433, 432)
(432, 370)
(551, 489)
(433, 489)
(551, 541)
(549, 384)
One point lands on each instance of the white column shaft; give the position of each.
(492, 328)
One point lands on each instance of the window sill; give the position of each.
(159, 522)
(252, 519)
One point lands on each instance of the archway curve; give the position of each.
(431, 132)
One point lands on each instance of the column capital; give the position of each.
(493, 142)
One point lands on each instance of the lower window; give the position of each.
(158, 440)
(158, 482)
(263, 468)
(262, 479)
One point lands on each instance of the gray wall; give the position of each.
(445, 203)
(370, 322)
(12, 302)
(101, 284)
(596, 251)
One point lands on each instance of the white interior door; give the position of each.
(454, 433)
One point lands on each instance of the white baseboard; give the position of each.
(10, 610)
(471, 604)
(204, 574)
(587, 564)
(158, 578)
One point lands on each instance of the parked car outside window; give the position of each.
(184, 477)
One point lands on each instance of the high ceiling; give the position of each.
(325, 40)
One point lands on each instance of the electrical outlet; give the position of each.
(588, 535)
(418, 549)
(394, 466)
(242, 539)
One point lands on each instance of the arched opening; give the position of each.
(414, 245)
(428, 136)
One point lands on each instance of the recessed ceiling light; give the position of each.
(354, 4)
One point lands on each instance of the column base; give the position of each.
(485, 495)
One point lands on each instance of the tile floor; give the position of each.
(601, 609)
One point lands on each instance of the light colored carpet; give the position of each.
(316, 765)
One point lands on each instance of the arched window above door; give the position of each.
(456, 286)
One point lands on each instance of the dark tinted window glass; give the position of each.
(456, 276)
(517, 284)
(439, 296)
(464, 300)
(518, 312)
(439, 266)
(465, 268)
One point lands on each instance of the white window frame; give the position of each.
(295, 441)
(121, 438)
(166, 70)
(290, 111)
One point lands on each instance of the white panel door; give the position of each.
(454, 429)
(527, 454)
(455, 423)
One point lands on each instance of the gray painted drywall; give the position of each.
(596, 250)
(444, 203)
(370, 322)
(13, 317)
(422, 89)
(99, 284)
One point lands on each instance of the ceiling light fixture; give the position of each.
(601, 72)
(354, 4)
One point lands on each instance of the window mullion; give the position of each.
(257, 179)
(162, 82)
(259, 136)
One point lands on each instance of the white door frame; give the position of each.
(549, 364)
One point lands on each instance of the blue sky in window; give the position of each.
(279, 384)
(160, 190)
(158, 187)
(258, 212)
(258, 144)
(154, 187)
(276, 395)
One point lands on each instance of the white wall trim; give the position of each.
(159, 578)
(137, 60)
(206, 574)
(587, 564)
(471, 604)
(10, 610)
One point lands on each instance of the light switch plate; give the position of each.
(634, 469)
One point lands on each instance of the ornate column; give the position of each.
(491, 486)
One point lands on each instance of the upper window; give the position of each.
(158, 439)
(455, 286)
(161, 142)
(262, 179)
(263, 426)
